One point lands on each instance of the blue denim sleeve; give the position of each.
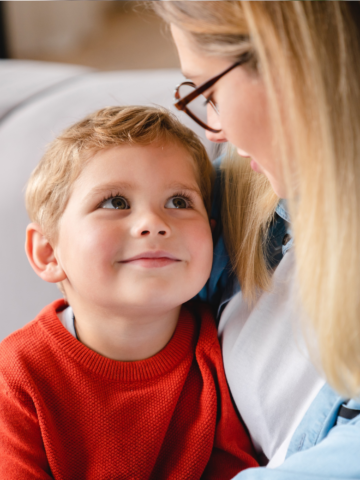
(223, 283)
(325, 445)
(334, 458)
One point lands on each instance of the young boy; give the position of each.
(120, 380)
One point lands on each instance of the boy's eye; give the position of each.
(177, 202)
(118, 203)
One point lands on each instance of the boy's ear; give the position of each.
(41, 255)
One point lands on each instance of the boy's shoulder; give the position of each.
(22, 349)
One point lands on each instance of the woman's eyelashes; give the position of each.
(119, 202)
(210, 99)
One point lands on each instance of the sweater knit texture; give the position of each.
(68, 413)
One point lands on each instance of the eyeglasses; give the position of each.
(191, 101)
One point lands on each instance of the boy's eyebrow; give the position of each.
(182, 186)
(106, 188)
(115, 187)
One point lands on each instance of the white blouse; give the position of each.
(267, 365)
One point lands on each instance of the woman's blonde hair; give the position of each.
(308, 56)
(49, 187)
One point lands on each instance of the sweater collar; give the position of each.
(181, 346)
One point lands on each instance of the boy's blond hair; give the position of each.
(49, 187)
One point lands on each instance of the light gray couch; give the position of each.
(37, 101)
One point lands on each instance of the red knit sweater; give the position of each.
(69, 413)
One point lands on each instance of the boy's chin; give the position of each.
(139, 309)
(153, 302)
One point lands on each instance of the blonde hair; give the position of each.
(49, 187)
(308, 56)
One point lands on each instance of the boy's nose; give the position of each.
(151, 225)
(148, 232)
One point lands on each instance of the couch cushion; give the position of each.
(22, 79)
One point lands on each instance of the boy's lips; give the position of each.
(152, 259)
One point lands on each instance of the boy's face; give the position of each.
(135, 232)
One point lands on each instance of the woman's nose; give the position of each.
(215, 137)
(150, 225)
(213, 121)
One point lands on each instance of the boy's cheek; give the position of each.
(203, 249)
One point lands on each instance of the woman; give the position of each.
(280, 82)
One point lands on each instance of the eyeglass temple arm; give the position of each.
(181, 104)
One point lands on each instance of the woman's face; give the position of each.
(242, 103)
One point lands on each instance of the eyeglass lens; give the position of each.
(199, 107)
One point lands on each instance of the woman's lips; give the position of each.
(255, 166)
(152, 259)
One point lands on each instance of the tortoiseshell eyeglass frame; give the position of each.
(182, 103)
